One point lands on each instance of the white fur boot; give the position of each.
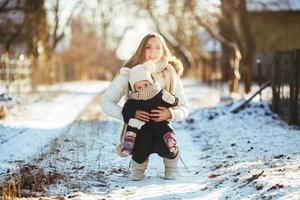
(137, 170)
(171, 169)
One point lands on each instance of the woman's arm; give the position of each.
(181, 111)
(113, 94)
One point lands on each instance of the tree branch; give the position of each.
(120, 38)
(57, 37)
(216, 35)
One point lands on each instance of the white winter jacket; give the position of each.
(119, 88)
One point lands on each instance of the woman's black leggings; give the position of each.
(149, 141)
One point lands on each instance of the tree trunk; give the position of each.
(230, 66)
(235, 15)
(249, 45)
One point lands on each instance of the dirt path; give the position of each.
(84, 160)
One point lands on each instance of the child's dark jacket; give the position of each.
(147, 100)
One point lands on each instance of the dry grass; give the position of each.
(3, 111)
(11, 189)
(28, 181)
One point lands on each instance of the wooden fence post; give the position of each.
(294, 86)
(7, 72)
(297, 75)
(258, 63)
(276, 82)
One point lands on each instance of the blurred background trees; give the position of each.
(218, 41)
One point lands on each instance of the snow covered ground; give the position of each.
(38, 118)
(248, 155)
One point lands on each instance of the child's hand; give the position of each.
(160, 114)
(142, 115)
(167, 97)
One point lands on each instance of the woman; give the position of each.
(167, 70)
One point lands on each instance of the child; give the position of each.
(146, 95)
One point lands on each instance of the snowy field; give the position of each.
(37, 119)
(248, 155)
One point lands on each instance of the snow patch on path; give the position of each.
(26, 133)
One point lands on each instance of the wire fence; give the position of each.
(286, 84)
(15, 74)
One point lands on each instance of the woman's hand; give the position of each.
(160, 114)
(142, 115)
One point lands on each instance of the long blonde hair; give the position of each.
(139, 56)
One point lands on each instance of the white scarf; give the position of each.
(160, 66)
(169, 72)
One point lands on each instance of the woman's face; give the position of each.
(153, 50)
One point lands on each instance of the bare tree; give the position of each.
(237, 41)
(23, 22)
(24, 26)
(11, 28)
(105, 17)
(57, 29)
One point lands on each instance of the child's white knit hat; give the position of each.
(141, 73)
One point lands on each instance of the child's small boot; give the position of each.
(171, 169)
(137, 170)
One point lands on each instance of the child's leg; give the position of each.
(170, 141)
(128, 142)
